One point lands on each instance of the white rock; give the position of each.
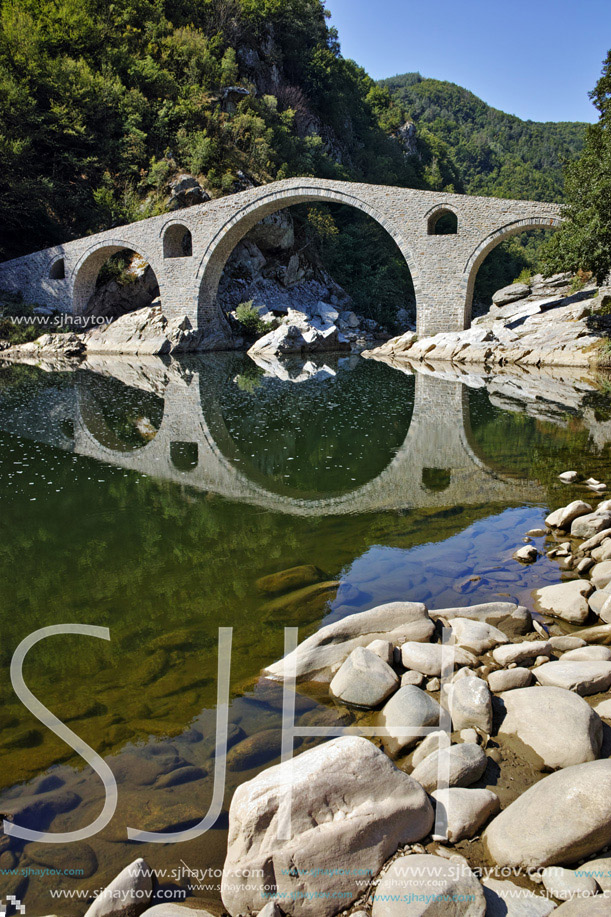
(566, 600)
(600, 574)
(526, 555)
(584, 907)
(497, 613)
(467, 763)
(604, 709)
(468, 735)
(429, 657)
(559, 820)
(509, 679)
(430, 744)
(506, 899)
(564, 884)
(383, 648)
(595, 540)
(270, 910)
(412, 678)
(590, 524)
(582, 677)
(417, 879)
(170, 909)
(477, 636)
(364, 679)
(521, 652)
(566, 642)
(602, 552)
(568, 477)
(599, 870)
(464, 811)
(320, 656)
(560, 727)
(127, 895)
(564, 516)
(351, 808)
(410, 708)
(470, 704)
(588, 654)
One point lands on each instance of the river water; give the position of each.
(161, 500)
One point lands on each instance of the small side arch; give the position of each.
(57, 271)
(177, 241)
(442, 220)
(234, 229)
(86, 271)
(495, 238)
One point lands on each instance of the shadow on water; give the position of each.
(163, 499)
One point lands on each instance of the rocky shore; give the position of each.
(484, 785)
(543, 323)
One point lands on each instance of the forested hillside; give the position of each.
(102, 103)
(495, 153)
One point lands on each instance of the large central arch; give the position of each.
(218, 250)
(495, 238)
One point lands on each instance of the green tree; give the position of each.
(584, 240)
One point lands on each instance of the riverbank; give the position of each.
(543, 323)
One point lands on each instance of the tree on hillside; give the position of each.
(584, 241)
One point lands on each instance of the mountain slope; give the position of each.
(495, 153)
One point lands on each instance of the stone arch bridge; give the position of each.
(188, 249)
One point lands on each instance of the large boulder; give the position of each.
(150, 332)
(463, 811)
(600, 574)
(565, 884)
(320, 656)
(560, 727)
(350, 808)
(512, 293)
(566, 600)
(470, 704)
(409, 709)
(128, 895)
(294, 339)
(583, 677)
(462, 764)
(560, 820)
(364, 679)
(423, 885)
(584, 907)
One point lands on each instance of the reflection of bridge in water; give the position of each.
(436, 466)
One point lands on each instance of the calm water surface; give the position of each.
(151, 498)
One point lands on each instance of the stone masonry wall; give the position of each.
(443, 267)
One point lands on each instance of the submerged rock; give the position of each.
(351, 808)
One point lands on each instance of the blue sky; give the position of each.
(533, 58)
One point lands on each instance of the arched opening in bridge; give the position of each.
(184, 456)
(508, 255)
(177, 241)
(58, 270)
(442, 222)
(305, 246)
(111, 281)
(121, 418)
